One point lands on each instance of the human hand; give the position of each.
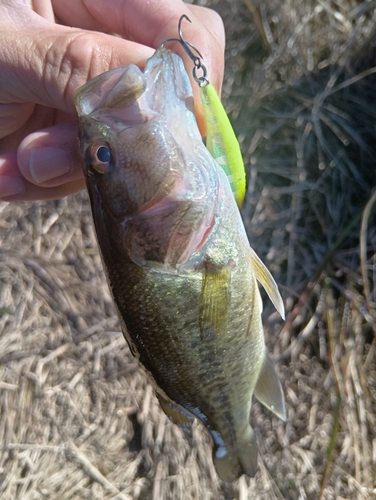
(42, 63)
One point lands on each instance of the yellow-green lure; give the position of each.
(221, 140)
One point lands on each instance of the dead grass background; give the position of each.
(78, 419)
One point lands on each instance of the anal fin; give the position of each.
(177, 414)
(268, 388)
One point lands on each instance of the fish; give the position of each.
(178, 262)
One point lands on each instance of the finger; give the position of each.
(149, 23)
(44, 9)
(51, 157)
(41, 118)
(47, 165)
(213, 23)
(152, 22)
(75, 13)
(14, 116)
(14, 187)
(46, 63)
(52, 61)
(80, 13)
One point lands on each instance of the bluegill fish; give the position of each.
(177, 258)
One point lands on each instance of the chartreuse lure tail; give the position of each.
(220, 140)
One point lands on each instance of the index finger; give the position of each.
(151, 22)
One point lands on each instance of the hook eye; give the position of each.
(201, 80)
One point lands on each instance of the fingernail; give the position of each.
(10, 186)
(46, 163)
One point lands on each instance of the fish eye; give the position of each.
(99, 157)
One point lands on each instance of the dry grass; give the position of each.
(77, 417)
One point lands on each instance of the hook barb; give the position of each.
(187, 46)
(185, 42)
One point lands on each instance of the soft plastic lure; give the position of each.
(221, 140)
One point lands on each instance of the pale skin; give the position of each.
(49, 48)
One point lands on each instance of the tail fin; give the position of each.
(230, 464)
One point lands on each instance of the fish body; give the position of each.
(177, 258)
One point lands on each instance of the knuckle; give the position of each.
(70, 62)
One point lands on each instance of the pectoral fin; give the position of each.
(267, 281)
(215, 298)
(268, 388)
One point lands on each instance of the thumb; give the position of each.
(45, 63)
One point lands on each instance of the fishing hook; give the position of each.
(187, 46)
